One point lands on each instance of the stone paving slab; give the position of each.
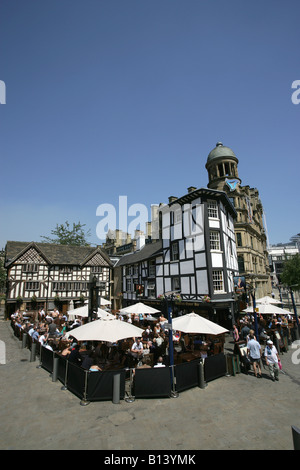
(231, 413)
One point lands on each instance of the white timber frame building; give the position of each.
(196, 257)
(53, 274)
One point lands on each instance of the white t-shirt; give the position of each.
(271, 354)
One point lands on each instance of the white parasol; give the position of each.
(104, 301)
(84, 312)
(105, 330)
(194, 323)
(139, 308)
(268, 309)
(267, 300)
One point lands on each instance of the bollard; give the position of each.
(33, 352)
(296, 437)
(24, 340)
(55, 369)
(202, 383)
(130, 398)
(116, 388)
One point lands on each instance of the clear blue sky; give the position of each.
(128, 97)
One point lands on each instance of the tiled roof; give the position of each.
(149, 251)
(54, 254)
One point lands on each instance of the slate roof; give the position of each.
(148, 251)
(54, 254)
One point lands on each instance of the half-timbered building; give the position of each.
(52, 274)
(196, 257)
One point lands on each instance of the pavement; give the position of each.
(239, 412)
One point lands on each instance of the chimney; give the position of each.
(191, 189)
(172, 199)
(140, 239)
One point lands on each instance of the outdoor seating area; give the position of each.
(135, 356)
(74, 350)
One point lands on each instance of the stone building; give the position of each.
(250, 232)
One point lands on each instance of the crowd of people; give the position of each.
(53, 330)
(261, 347)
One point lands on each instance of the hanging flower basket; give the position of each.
(206, 299)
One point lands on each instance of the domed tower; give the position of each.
(222, 168)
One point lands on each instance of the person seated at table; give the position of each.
(95, 368)
(147, 333)
(145, 363)
(176, 337)
(160, 362)
(157, 329)
(75, 356)
(137, 349)
(88, 360)
(66, 351)
(162, 320)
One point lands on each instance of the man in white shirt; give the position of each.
(271, 357)
(137, 349)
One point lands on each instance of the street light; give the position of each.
(251, 290)
(169, 298)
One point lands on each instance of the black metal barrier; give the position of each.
(296, 437)
(215, 367)
(76, 380)
(46, 358)
(144, 383)
(154, 382)
(187, 375)
(100, 385)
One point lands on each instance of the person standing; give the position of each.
(236, 335)
(272, 358)
(254, 351)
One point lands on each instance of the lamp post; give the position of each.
(169, 300)
(93, 297)
(294, 304)
(251, 290)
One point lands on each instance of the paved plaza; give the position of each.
(231, 413)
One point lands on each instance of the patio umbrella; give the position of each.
(193, 323)
(105, 330)
(84, 312)
(139, 308)
(269, 309)
(267, 300)
(104, 301)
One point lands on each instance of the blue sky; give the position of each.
(128, 97)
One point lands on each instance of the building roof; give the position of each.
(54, 254)
(204, 192)
(148, 251)
(219, 152)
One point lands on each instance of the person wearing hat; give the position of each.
(272, 358)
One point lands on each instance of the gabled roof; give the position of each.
(207, 193)
(148, 251)
(54, 254)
